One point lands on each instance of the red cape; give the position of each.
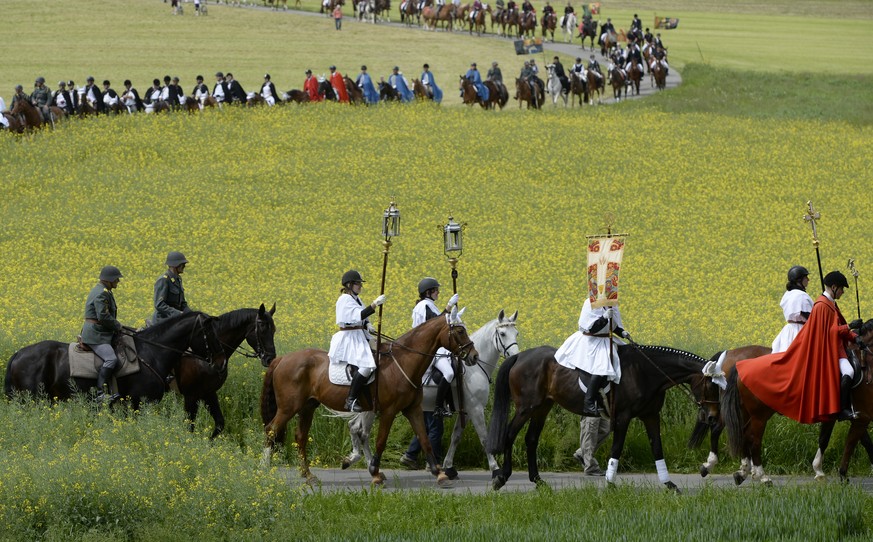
(311, 88)
(339, 85)
(803, 382)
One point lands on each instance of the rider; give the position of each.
(310, 87)
(559, 71)
(268, 90)
(93, 95)
(18, 97)
(511, 6)
(477, 7)
(201, 91)
(594, 66)
(130, 97)
(475, 77)
(588, 349)
(427, 80)
(169, 298)
(61, 98)
(547, 10)
(441, 370)
(634, 55)
(110, 97)
(235, 90)
(636, 24)
(605, 28)
(339, 85)
(365, 83)
(101, 324)
(398, 83)
(796, 306)
(219, 91)
(153, 94)
(41, 97)
(578, 67)
(648, 37)
(351, 343)
(660, 55)
(527, 7)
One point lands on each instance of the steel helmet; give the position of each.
(351, 276)
(835, 278)
(40, 79)
(796, 273)
(427, 283)
(110, 273)
(175, 259)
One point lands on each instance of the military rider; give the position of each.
(41, 97)
(351, 343)
(169, 298)
(101, 325)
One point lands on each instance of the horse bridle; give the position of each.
(208, 357)
(500, 346)
(454, 352)
(259, 351)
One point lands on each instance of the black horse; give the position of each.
(535, 381)
(44, 367)
(198, 380)
(325, 90)
(388, 93)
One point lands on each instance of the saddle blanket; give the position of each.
(87, 364)
(340, 375)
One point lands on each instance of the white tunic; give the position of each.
(793, 303)
(442, 360)
(350, 346)
(589, 353)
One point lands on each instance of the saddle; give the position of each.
(84, 363)
(341, 374)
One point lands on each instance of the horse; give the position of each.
(555, 87)
(550, 23)
(325, 90)
(588, 29)
(745, 417)
(659, 76)
(534, 381)
(618, 80)
(367, 11)
(296, 96)
(578, 87)
(331, 4)
(15, 125)
(254, 100)
(498, 338)
(408, 10)
(32, 118)
(610, 40)
(156, 106)
(497, 19)
(469, 95)
(418, 90)
(596, 84)
(356, 95)
(44, 367)
(198, 380)
(568, 26)
(511, 19)
(479, 23)
(387, 93)
(274, 4)
(523, 93)
(527, 24)
(382, 9)
(634, 76)
(433, 15)
(295, 384)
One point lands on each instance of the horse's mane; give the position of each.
(670, 350)
(421, 327)
(162, 326)
(235, 318)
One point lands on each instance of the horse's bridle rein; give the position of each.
(454, 352)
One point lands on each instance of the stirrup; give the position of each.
(352, 405)
(442, 412)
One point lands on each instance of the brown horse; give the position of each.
(479, 23)
(523, 93)
(255, 100)
(618, 81)
(408, 10)
(434, 15)
(511, 19)
(33, 117)
(15, 125)
(419, 91)
(578, 88)
(659, 75)
(333, 4)
(588, 29)
(274, 4)
(295, 384)
(497, 20)
(608, 44)
(596, 84)
(635, 76)
(745, 417)
(469, 95)
(533, 381)
(550, 23)
(297, 96)
(356, 95)
(527, 25)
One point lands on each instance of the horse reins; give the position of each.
(176, 350)
(456, 352)
(687, 392)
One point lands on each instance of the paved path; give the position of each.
(571, 50)
(479, 482)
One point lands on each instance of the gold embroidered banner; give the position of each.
(604, 263)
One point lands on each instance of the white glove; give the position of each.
(610, 313)
(379, 300)
(452, 301)
(626, 335)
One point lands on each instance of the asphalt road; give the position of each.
(479, 482)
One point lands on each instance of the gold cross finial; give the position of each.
(811, 216)
(852, 267)
(609, 219)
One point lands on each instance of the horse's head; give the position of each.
(260, 336)
(456, 340)
(506, 335)
(173, 336)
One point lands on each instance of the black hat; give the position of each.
(176, 79)
(308, 72)
(200, 78)
(62, 83)
(90, 78)
(156, 82)
(266, 76)
(219, 74)
(363, 68)
(332, 67)
(396, 69)
(166, 79)
(351, 276)
(106, 82)
(127, 83)
(835, 278)
(473, 64)
(426, 67)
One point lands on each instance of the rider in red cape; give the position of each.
(804, 382)
(339, 85)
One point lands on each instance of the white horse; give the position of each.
(554, 87)
(568, 26)
(498, 338)
(367, 10)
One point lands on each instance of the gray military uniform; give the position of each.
(100, 307)
(169, 297)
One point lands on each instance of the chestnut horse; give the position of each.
(610, 40)
(356, 95)
(33, 117)
(527, 24)
(596, 83)
(659, 76)
(479, 23)
(550, 23)
(295, 384)
(523, 93)
(533, 381)
(296, 95)
(634, 76)
(619, 82)
(433, 15)
(408, 10)
(578, 87)
(469, 95)
(419, 91)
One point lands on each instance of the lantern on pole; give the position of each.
(453, 246)
(390, 228)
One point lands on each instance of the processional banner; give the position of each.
(604, 263)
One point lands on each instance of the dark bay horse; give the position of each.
(356, 95)
(15, 125)
(659, 76)
(44, 367)
(325, 90)
(295, 384)
(527, 24)
(198, 380)
(578, 88)
(387, 93)
(33, 117)
(596, 83)
(588, 29)
(296, 96)
(635, 76)
(618, 81)
(550, 23)
(469, 95)
(524, 94)
(534, 382)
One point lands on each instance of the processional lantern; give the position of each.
(391, 221)
(453, 246)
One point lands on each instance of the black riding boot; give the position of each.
(444, 390)
(590, 409)
(848, 413)
(352, 404)
(102, 378)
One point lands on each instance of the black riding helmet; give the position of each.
(796, 273)
(351, 276)
(835, 278)
(427, 283)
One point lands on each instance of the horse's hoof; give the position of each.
(444, 482)
(739, 478)
(767, 482)
(311, 480)
(346, 464)
(541, 484)
(378, 479)
(820, 476)
(673, 488)
(497, 482)
(452, 473)
(703, 471)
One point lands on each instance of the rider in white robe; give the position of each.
(796, 306)
(588, 349)
(351, 343)
(425, 309)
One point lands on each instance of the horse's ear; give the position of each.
(513, 317)
(460, 313)
(261, 310)
(273, 309)
(500, 316)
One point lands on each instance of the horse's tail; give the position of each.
(497, 429)
(732, 415)
(268, 396)
(7, 379)
(698, 433)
